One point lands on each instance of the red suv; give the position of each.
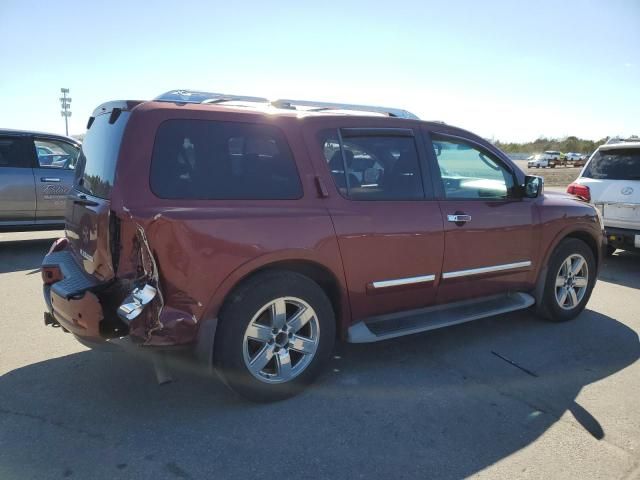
(256, 233)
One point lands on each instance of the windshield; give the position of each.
(618, 164)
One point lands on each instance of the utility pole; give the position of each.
(66, 108)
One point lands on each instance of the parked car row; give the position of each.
(255, 233)
(554, 158)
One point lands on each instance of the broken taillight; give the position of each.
(51, 275)
(578, 190)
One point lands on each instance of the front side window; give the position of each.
(212, 160)
(614, 164)
(56, 154)
(468, 172)
(374, 167)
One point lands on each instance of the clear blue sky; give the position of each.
(510, 70)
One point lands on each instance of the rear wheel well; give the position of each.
(316, 272)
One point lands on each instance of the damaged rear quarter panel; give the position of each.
(199, 249)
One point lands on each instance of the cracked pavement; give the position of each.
(435, 405)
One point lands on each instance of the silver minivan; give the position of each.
(36, 174)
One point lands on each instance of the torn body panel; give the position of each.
(195, 257)
(151, 320)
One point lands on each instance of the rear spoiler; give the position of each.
(115, 107)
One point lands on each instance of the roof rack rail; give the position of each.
(190, 96)
(320, 106)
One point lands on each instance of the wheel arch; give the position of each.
(317, 272)
(583, 234)
(330, 279)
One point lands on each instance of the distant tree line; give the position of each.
(568, 144)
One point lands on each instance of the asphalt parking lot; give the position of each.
(445, 404)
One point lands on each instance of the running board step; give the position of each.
(393, 325)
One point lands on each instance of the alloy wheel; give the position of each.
(571, 281)
(281, 340)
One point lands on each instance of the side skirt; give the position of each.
(399, 324)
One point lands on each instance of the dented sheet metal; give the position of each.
(158, 321)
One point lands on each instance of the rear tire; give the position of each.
(570, 279)
(276, 332)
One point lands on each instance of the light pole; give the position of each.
(66, 108)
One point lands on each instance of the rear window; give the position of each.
(618, 164)
(212, 160)
(96, 166)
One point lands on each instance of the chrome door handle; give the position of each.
(457, 218)
(49, 179)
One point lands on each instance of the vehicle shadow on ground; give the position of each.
(21, 255)
(446, 404)
(623, 268)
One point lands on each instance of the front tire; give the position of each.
(276, 332)
(570, 280)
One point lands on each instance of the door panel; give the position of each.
(495, 245)
(17, 193)
(398, 243)
(389, 229)
(53, 177)
(489, 229)
(52, 188)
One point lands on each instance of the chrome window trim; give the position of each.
(494, 268)
(404, 281)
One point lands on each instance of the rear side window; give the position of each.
(373, 167)
(618, 164)
(212, 160)
(13, 153)
(96, 166)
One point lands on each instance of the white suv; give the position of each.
(611, 181)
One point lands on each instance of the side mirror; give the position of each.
(533, 186)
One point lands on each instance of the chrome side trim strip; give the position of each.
(404, 281)
(478, 271)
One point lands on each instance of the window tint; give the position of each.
(618, 164)
(374, 167)
(197, 159)
(56, 154)
(12, 152)
(468, 172)
(96, 167)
